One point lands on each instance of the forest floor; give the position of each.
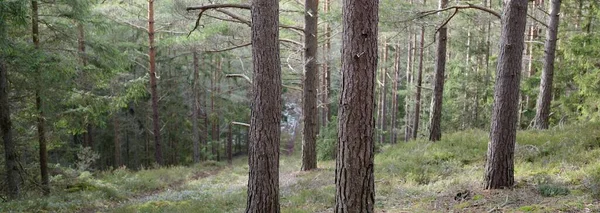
(556, 170)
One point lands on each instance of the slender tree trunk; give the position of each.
(265, 119)
(465, 112)
(409, 66)
(542, 113)
(10, 152)
(311, 73)
(435, 130)
(394, 123)
(196, 109)
(326, 113)
(499, 169)
(117, 142)
(229, 142)
(38, 105)
(354, 179)
(416, 118)
(215, 120)
(158, 156)
(384, 94)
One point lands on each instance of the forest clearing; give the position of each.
(555, 171)
(346, 106)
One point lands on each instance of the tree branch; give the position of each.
(219, 8)
(239, 76)
(459, 7)
(538, 21)
(213, 6)
(229, 48)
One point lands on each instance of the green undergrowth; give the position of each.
(556, 170)
(74, 191)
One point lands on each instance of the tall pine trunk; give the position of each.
(117, 142)
(409, 77)
(326, 112)
(499, 169)
(435, 130)
(158, 156)
(311, 73)
(417, 115)
(38, 104)
(383, 124)
(395, 81)
(196, 109)
(265, 119)
(354, 179)
(542, 113)
(10, 152)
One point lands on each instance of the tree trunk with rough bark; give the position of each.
(158, 156)
(311, 73)
(435, 130)
(499, 169)
(542, 113)
(354, 179)
(38, 105)
(265, 119)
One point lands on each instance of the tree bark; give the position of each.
(10, 152)
(311, 73)
(499, 172)
(545, 96)
(196, 109)
(435, 130)
(38, 105)
(326, 81)
(265, 119)
(158, 156)
(416, 118)
(354, 179)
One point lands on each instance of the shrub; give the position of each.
(327, 141)
(552, 190)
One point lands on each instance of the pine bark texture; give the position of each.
(158, 157)
(311, 73)
(265, 119)
(10, 152)
(499, 169)
(354, 179)
(542, 113)
(417, 116)
(43, 152)
(435, 130)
